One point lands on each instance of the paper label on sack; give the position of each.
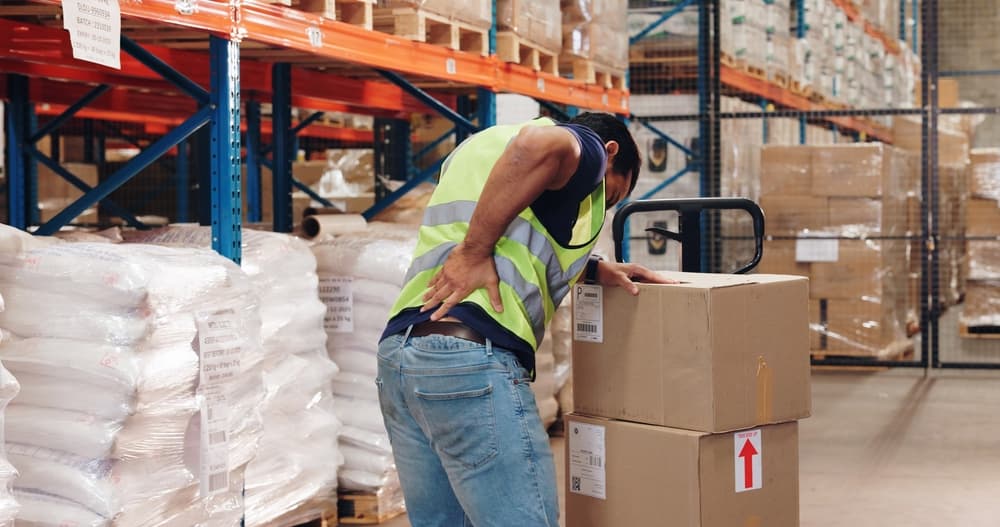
(220, 350)
(587, 460)
(816, 250)
(748, 456)
(588, 313)
(95, 28)
(337, 292)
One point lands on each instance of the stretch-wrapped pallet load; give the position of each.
(838, 215)
(361, 275)
(981, 312)
(537, 22)
(595, 31)
(140, 373)
(294, 477)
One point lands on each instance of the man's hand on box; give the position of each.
(625, 275)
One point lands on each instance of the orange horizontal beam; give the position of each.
(206, 15)
(322, 131)
(39, 51)
(739, 80)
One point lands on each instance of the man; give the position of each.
(506, 234)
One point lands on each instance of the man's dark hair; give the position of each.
(610, 128)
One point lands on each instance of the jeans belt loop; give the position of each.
(406, 336)
(489, 348)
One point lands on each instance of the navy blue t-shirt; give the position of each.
(557, 210)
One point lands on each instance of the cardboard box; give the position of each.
(985, 180)
(789, 215)
(650, 475)
(982, 218)
(953, 146)
(859, 327)
(948, 93)
(855, 170)
(784, 170)
(779, 258)
(983, 260)
(713, 353)
(886, 216)
(55, 193)
(863, 268)
(982, 305)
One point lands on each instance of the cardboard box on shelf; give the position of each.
(788, 215)
(55, 193)
(622, 473)
(983, 260)
(982, 218)
(948, 93)
(784, 170)
(736, 356)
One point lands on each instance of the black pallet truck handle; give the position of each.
(689, 210)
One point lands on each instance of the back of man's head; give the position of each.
(610, 128)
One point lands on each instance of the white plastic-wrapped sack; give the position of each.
(142, 380)
(295, 473)
(366, 271)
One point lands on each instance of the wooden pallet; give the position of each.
(362, 508)
(327, 520)
(754, 70)
(512, 48)
(780, 79)
(900, 350)
(591, 72)
(800, 89)
(423, 26)
(727, 59)
(979, 332)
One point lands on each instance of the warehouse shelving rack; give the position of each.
(256, 52)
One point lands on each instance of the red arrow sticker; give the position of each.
(748, 460)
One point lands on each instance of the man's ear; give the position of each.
(611, 147)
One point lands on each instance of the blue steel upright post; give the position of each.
(254, 212)
(17, 160)
(183, 181)
(225, 142)
(486, 100)
(281, 170)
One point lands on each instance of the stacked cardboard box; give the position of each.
(838, 215)
(698, 435)
(596, 31)
(478, 13)
(534, 21)
(982, 230)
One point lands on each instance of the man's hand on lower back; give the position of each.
(465, 270)
(625, 275)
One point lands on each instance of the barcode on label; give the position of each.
(218, 481)
(586, 328)
(217, 437)
(596, 461)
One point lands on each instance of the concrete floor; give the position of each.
(895, 448)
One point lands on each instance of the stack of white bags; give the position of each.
(140, 373)
(294, 477)
(362, 274)
(12, 242)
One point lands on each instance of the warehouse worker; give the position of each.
(507, 233)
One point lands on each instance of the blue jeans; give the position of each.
(469, 445)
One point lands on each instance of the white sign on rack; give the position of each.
(95, 29)
(816, 250)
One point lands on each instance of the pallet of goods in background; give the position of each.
(353, 12)
(837, 214)
(461, 26)
(981, 313)
(595, 42)
(529, 33)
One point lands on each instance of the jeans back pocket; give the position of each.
(461, 424)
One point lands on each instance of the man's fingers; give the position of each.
(449, 303)
(436, 296)
(647, 276)
(494, 291)
(627, 284)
